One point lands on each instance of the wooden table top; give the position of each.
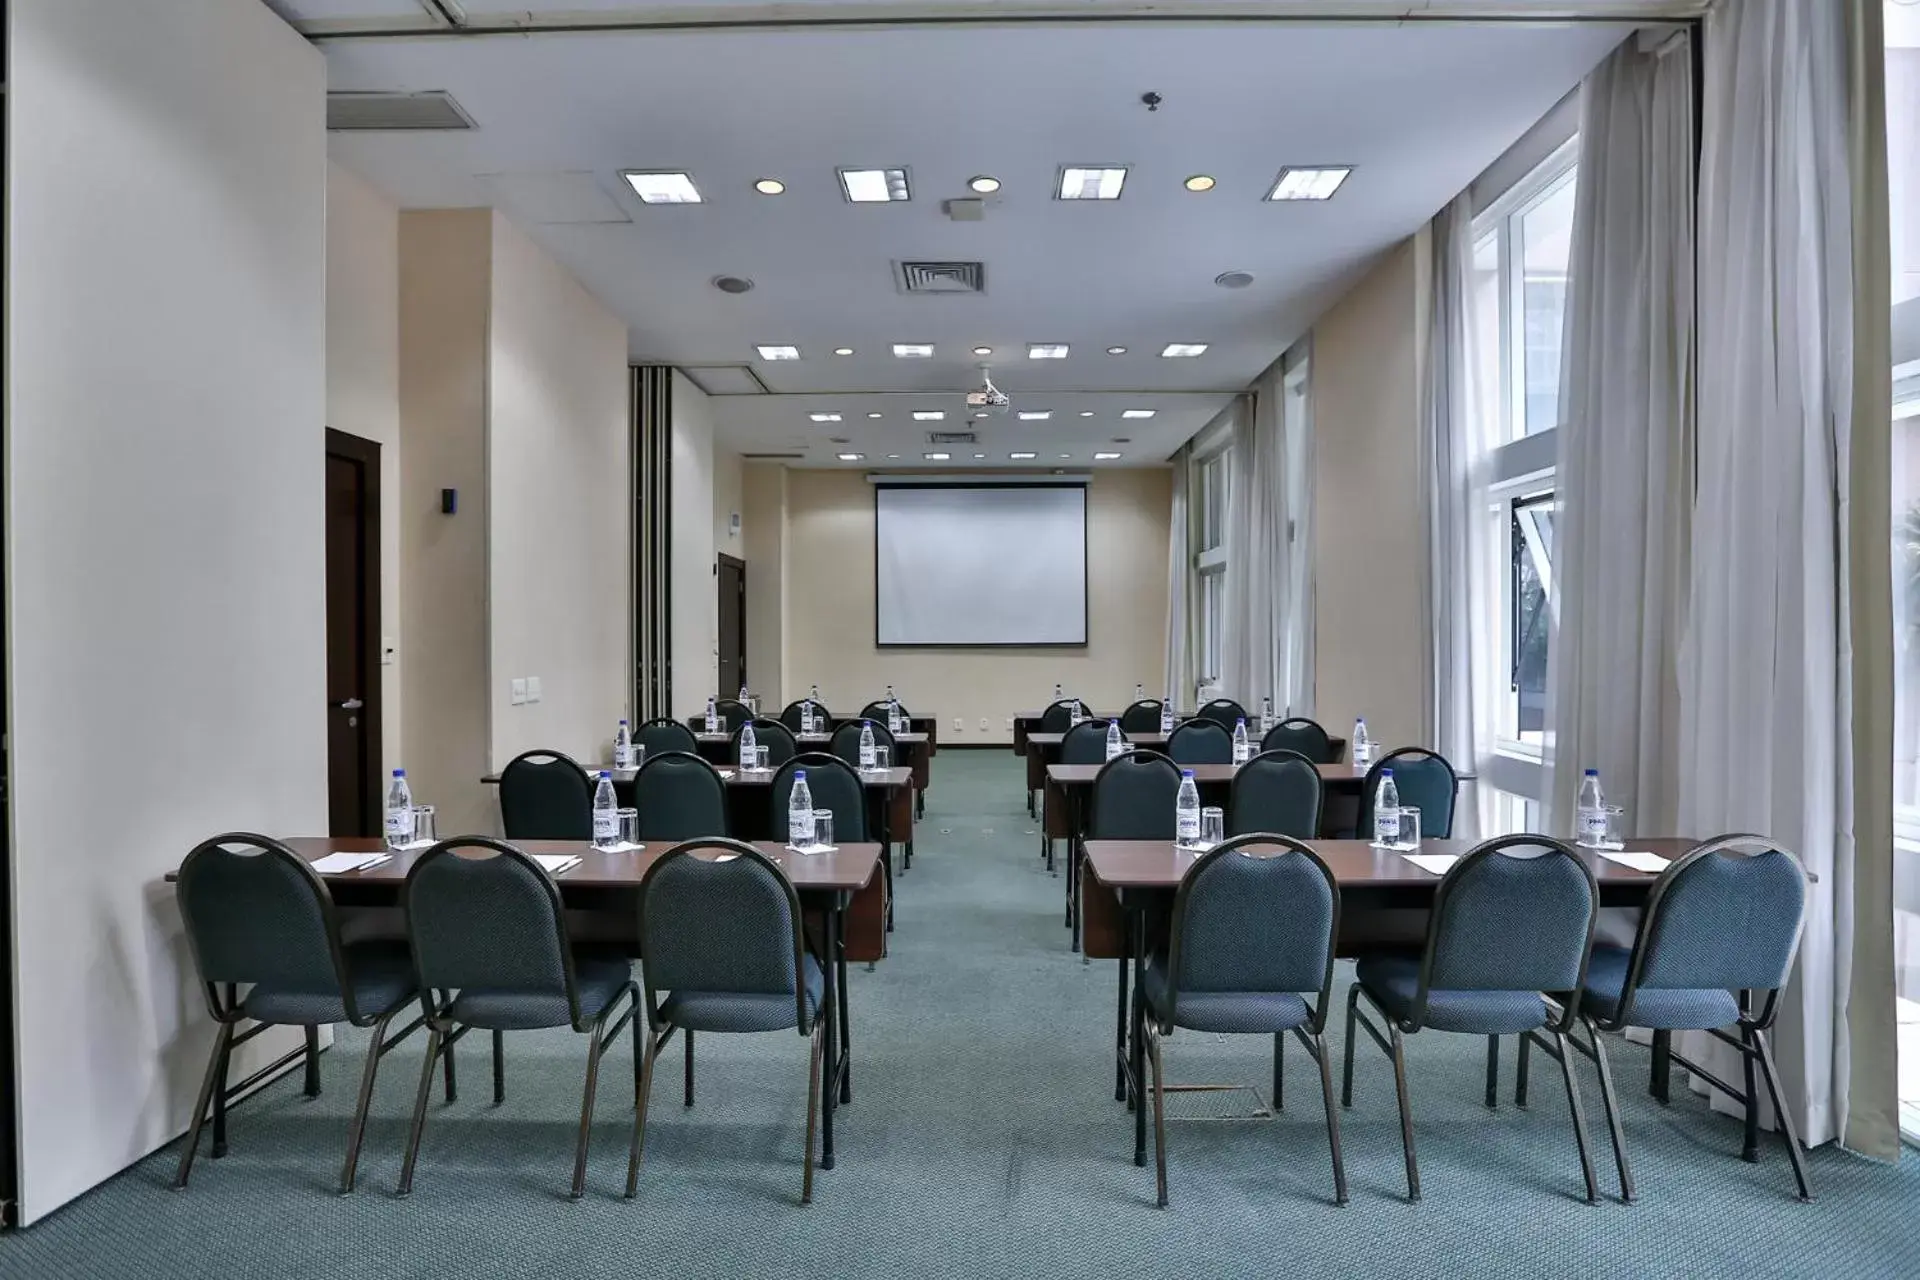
(1356, 864)
(1152, 739)
(898, 776)
(847, 869)
(1082, 775)
(814, 739)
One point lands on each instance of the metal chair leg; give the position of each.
(1787, 1131)
(1493, 1071)
(1159, 1117)
(499, 1067)
(1333, 1119)
(1612, 1106)
(1750, 1132)
(814, 1055)
(688, 1037)
(1662, 1066)
(207, 1084)
(1579, 1116)
(1120, 1092)
(419, 1111)
(1346, 1067)
(637, 1149)
(1406, 1110)
(313, 1062)
(1520, 1071)
(358, 1129)
(1279, 1071)
(220, 1098)
(586, 1110)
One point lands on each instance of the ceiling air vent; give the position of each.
(940, 277)
(772, 457)
(395, 111)
(951, 437)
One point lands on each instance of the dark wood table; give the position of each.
(1131, 882)
(920, 742)
(1041, 749)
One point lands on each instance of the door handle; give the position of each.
(351, 704)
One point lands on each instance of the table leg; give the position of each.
(1139, 1039)
(886, 851)
(828, 1087)
(1120, 1036)
(846, 1027)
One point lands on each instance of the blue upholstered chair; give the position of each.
(1058, 717)
(1507, 932)
(1425, 782)
(1254, 926)
(657, 737)
(878, 711)
(794, 715)
(834, 784)
(679, 797)
(490, 950)
(733, 713)
(258, 916)
(723, 949)
(1141, 717)
(1301, 735)
(1224, 712)
(1201, 741)
(845, 742)
(1715, 945)
(545, 795)
(1132, 798)
(772, 735)
(1085, 743)
(1276, 791)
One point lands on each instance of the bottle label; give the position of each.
(1187, 826)
(1115, 748)
(866, 756)
(1386, 826)
(400, 825)
(1593, 827)
(606, 826)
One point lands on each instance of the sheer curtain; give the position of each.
(1295, 695)
(1256, 603)
(1180, 673)
(1786, 669)
(1624, 477)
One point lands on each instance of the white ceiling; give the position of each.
(1418, 112)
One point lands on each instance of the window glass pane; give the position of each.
(1532, 549)
(1210, 620)
(1545, 238)
(1483, 309)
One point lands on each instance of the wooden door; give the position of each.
(733, 625)
(354, 800)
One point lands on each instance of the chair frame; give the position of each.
(1311, 1035)
(660, 1032)
(651, 759)
(1197, 724)
(1212, 704)
(1280, 755)
(1297, 721)
(533, 758)
(224, 1005)
(1363, 818)
(1141, 704)
(1561, 1026)
(443, 1032)
(678, 724)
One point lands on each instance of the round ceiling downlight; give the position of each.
(732, 284)
(1233, 279)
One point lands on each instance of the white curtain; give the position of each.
(1180, 674)
(1785, 671)
(1624, 478)
(1295, 695)
(1256, 600)
(1458, 436)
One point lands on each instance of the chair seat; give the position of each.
(1394, 981)
(744, 1010)
(1228, 1012)
(1660, 1009)
(601, 978)
(380, 972)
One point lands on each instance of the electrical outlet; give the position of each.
(983, 724)
(1009, 724)
(533, 688)
(959, 725)
(517, 691)
(389, 651)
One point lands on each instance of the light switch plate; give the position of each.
(389, 651)
(959, 725)
(533, 688)
(518, 691)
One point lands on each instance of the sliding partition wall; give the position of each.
(652, 541)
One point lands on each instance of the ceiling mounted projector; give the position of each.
(987, 400)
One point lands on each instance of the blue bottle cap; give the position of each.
(606, 773)
(1593, 773)
(399, 773)
(799, 775)
(1386, 773)
(1186, 773)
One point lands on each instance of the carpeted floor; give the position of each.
(983, 1141)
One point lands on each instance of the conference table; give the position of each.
(1040, 748)
(608, 883)
(913, 751)
(1130, 884)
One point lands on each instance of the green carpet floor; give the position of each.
(983, 1141)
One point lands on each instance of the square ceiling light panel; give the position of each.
(874, 186)
(663, 187)
(1091, 182)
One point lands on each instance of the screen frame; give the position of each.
(1086, 557)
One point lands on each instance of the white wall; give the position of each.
(693, 597)
(166, 416)
(729, 499)
(363, 382)
(763, 494)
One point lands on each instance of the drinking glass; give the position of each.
(823, 828)
(760, 758)
(1213, 827)
(629, 826)
(1408, 841)
(882, 757)
(639, 756)
(423, 824)
(1616, 827)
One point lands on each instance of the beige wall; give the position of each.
(363, 385)
(830, 606)
(729, 499)
(1370, 542)
(763, 493)
(558, 545)
(694, 600)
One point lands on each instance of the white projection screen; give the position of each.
(980, 565)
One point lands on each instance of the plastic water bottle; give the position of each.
(1186, 811)
(866, 746)
(1076, 713)
(1590, 815)
(1240, 746)
(813, 694)
(1058, 691)
(1139, 693)
(749, 749)
(800, 812)
(1116, 745)
(606, 813)
(744, 695)
(1266, 715)
(1166, 716)
(1361, 746)
(713, 714)
(623, 747)
(399, 812)
(893, 712)
(1386, 810)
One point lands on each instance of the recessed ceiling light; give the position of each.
(983, 351)
(1086, 413)
(985, 184)
(1082, 182)
(1183, 350)
(929, 415)
(733, 284)
(1035, 415)
(874, 186)
(1233, 279)
(838, 440)
(913, 350)
(936, 457)
(894, 456)
(1065, 456)
(1200, 182)
(1023, 457)
(1137, 413)
(843, 351)
(1046, 351)
(875, 414)
(1116, 351)
(979, 455)
(1309, 183)
(663, 188)
(851, 457)
(769, 186)
(779, 353)
(1105, 457)
(824, 417)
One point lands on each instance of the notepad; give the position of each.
(808, 850)
(726, 773)
(1638, 859)
(620, 846)
(1433, 863)
(340, 863)
(555, 863)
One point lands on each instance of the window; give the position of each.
(1520, 254)
(1212, 531)
(1210, 485)
(1529, 582)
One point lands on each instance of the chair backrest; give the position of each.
(256, 912)
(1058, 717)
(1085, 743)
(1511, 921)
(680, 797)
(657, 737)
(482, 914)
(846, 741)
(878, 711)
(733, 712)
(545, 795)
(1301, 735)
(1133, 798)
(1257, 913)
(791, 718)
(1142, 717)
(1425, 782)
(833, 784)
(1200, 742)
(772, 735)
(1726, 915)
(1224, 712)
(1276, 791)
(727, 924)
